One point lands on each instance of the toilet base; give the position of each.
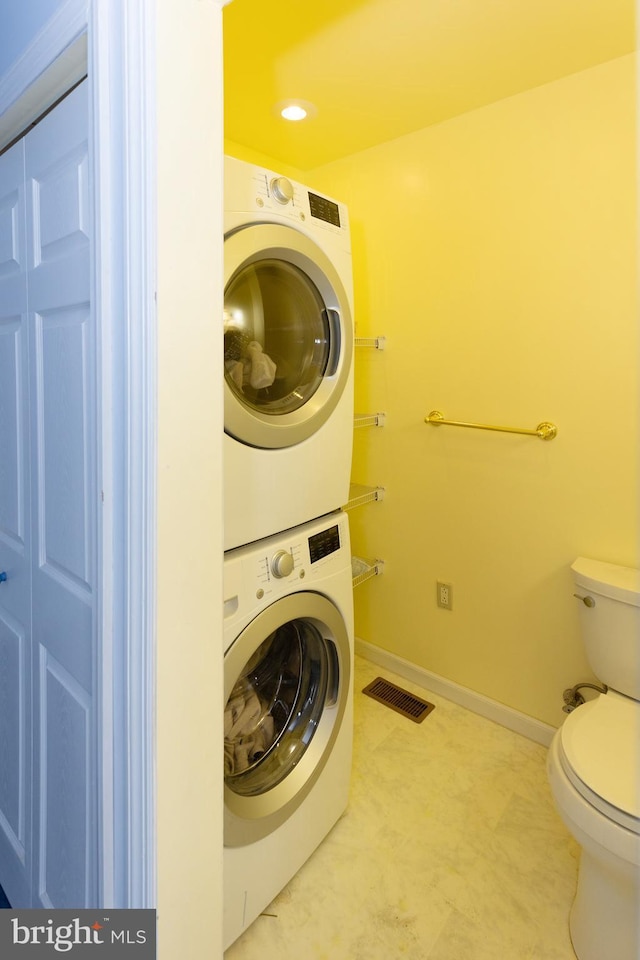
(604, 920)
(604, 923)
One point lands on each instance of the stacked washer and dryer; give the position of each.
(288, 608)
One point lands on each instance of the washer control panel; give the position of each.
(295, 559)
(324, 543)
(303, 558)
(270, 567)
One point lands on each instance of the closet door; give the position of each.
(62, 380)
(15, 539)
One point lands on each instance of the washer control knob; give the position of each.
(282, 189)
(281, 564)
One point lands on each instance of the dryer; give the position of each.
(288, 354)
(288, 668)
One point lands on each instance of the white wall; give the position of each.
(189, 479)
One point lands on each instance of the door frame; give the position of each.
(114, 43)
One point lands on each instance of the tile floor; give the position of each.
(450, 849)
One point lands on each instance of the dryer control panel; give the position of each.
(324, 209)
(254, 190)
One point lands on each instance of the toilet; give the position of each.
(594, 766)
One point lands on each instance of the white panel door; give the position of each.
(15, 539)
(49, 825)
(62, 382)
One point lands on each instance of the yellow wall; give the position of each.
(497, 253)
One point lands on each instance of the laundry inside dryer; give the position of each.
(276, 336)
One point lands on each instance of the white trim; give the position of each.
(103, 300)
(476, 702)
(116, 39)
(122, 76)
(51, 64)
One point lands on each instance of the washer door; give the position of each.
(287, 680)
(288, 336)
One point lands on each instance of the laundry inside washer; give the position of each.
(274, 708)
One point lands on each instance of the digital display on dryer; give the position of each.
(324, 543)
(323, 209)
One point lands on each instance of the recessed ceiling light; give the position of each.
(295, 110)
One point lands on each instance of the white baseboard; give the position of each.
(491, 709)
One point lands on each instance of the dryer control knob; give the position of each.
(281, 564)
(282, 189)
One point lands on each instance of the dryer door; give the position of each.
(287, 680)
(288, 336)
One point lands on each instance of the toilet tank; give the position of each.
(611, 624)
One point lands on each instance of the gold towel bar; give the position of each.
(544, 430)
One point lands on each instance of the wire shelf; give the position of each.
(363, 570)
(369, 420)
(359, 494)
(377, 343)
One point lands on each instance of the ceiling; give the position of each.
(378, 69)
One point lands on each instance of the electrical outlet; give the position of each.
(444, 595)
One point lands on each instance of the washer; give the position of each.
(288, 354)
(288, 675)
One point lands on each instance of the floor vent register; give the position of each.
(399, 700)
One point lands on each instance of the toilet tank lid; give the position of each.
(600, 741)
(608, 579)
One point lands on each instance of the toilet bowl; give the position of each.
(594, 768)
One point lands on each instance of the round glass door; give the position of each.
(276, 337)
(274, 708)
(287, 683)
(288, 336)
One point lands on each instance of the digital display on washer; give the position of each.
(323, 543)
(323, 209)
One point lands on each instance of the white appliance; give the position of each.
(288, 668)
(288, 354)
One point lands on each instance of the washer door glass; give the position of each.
(287, 680)
(276, 336)
(275, 706)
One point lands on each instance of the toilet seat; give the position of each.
(599, 755)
